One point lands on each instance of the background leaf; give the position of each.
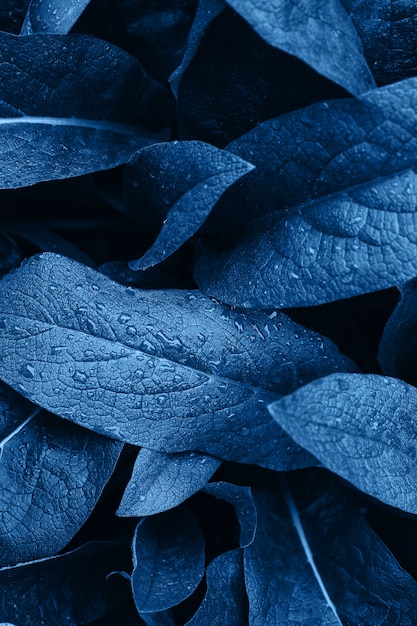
(52, 16)
(72, 105)
(168, 559)
(230, 79)
(72, 588)
(360, 426)
(324, 38)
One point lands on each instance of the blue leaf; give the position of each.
(168, 559)
(72, 588)
(167, 370)
(225, 601)
(162, 481)
(321, 35)
(177, 184)
(52, 16)
(362, 427)
(348, 229)
(73, 121)
(51, 476)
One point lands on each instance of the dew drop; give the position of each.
(123, 318)
(132, 331)
(28, 371)
(79, 377)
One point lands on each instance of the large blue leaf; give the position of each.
(167, 370)
(348, 229)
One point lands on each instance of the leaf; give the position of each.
(72, 588)
(348, 229)
(177, 184)
(162, 481)
(12, 13)
(52, 16)
(323, 37)
(218, 607)
(360, 426)
(388, 35)
(230, 79)
(154, 32)
(62, 112)
(241, 499)
(51, 476)
(167, 370)
(315, 558)
(398, 349)
(168, 559)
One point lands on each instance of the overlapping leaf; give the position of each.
(72, 105)
(51, 476)
(52, 16)
(72, 588)
(176, 185)
(162, 481)
(398, 350)
(349, 228)
(314, 557)
(168, 559)
(362, 427)
(169, 370)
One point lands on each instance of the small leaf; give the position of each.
(323, 38)
(63, 115)
(168, 559)
(166, 370)
(219, 606)
(51, 476)
(362, 427)
(162, 481)
(72, 588)
(178, 184)
(52, 16)
(348, 229)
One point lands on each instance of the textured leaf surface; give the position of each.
(177, 184)
(51, 476)
(349, 228)
(52, 16)
(388, 34)
(362, 427)
(231, 79)
(398, 347)
(225, 572)
(176, 370)
(362, 577)
(168, 559)
(61, 110)
(162, 481)
(69, 589)
(281, 586)
(320, 34)
(316, 560)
